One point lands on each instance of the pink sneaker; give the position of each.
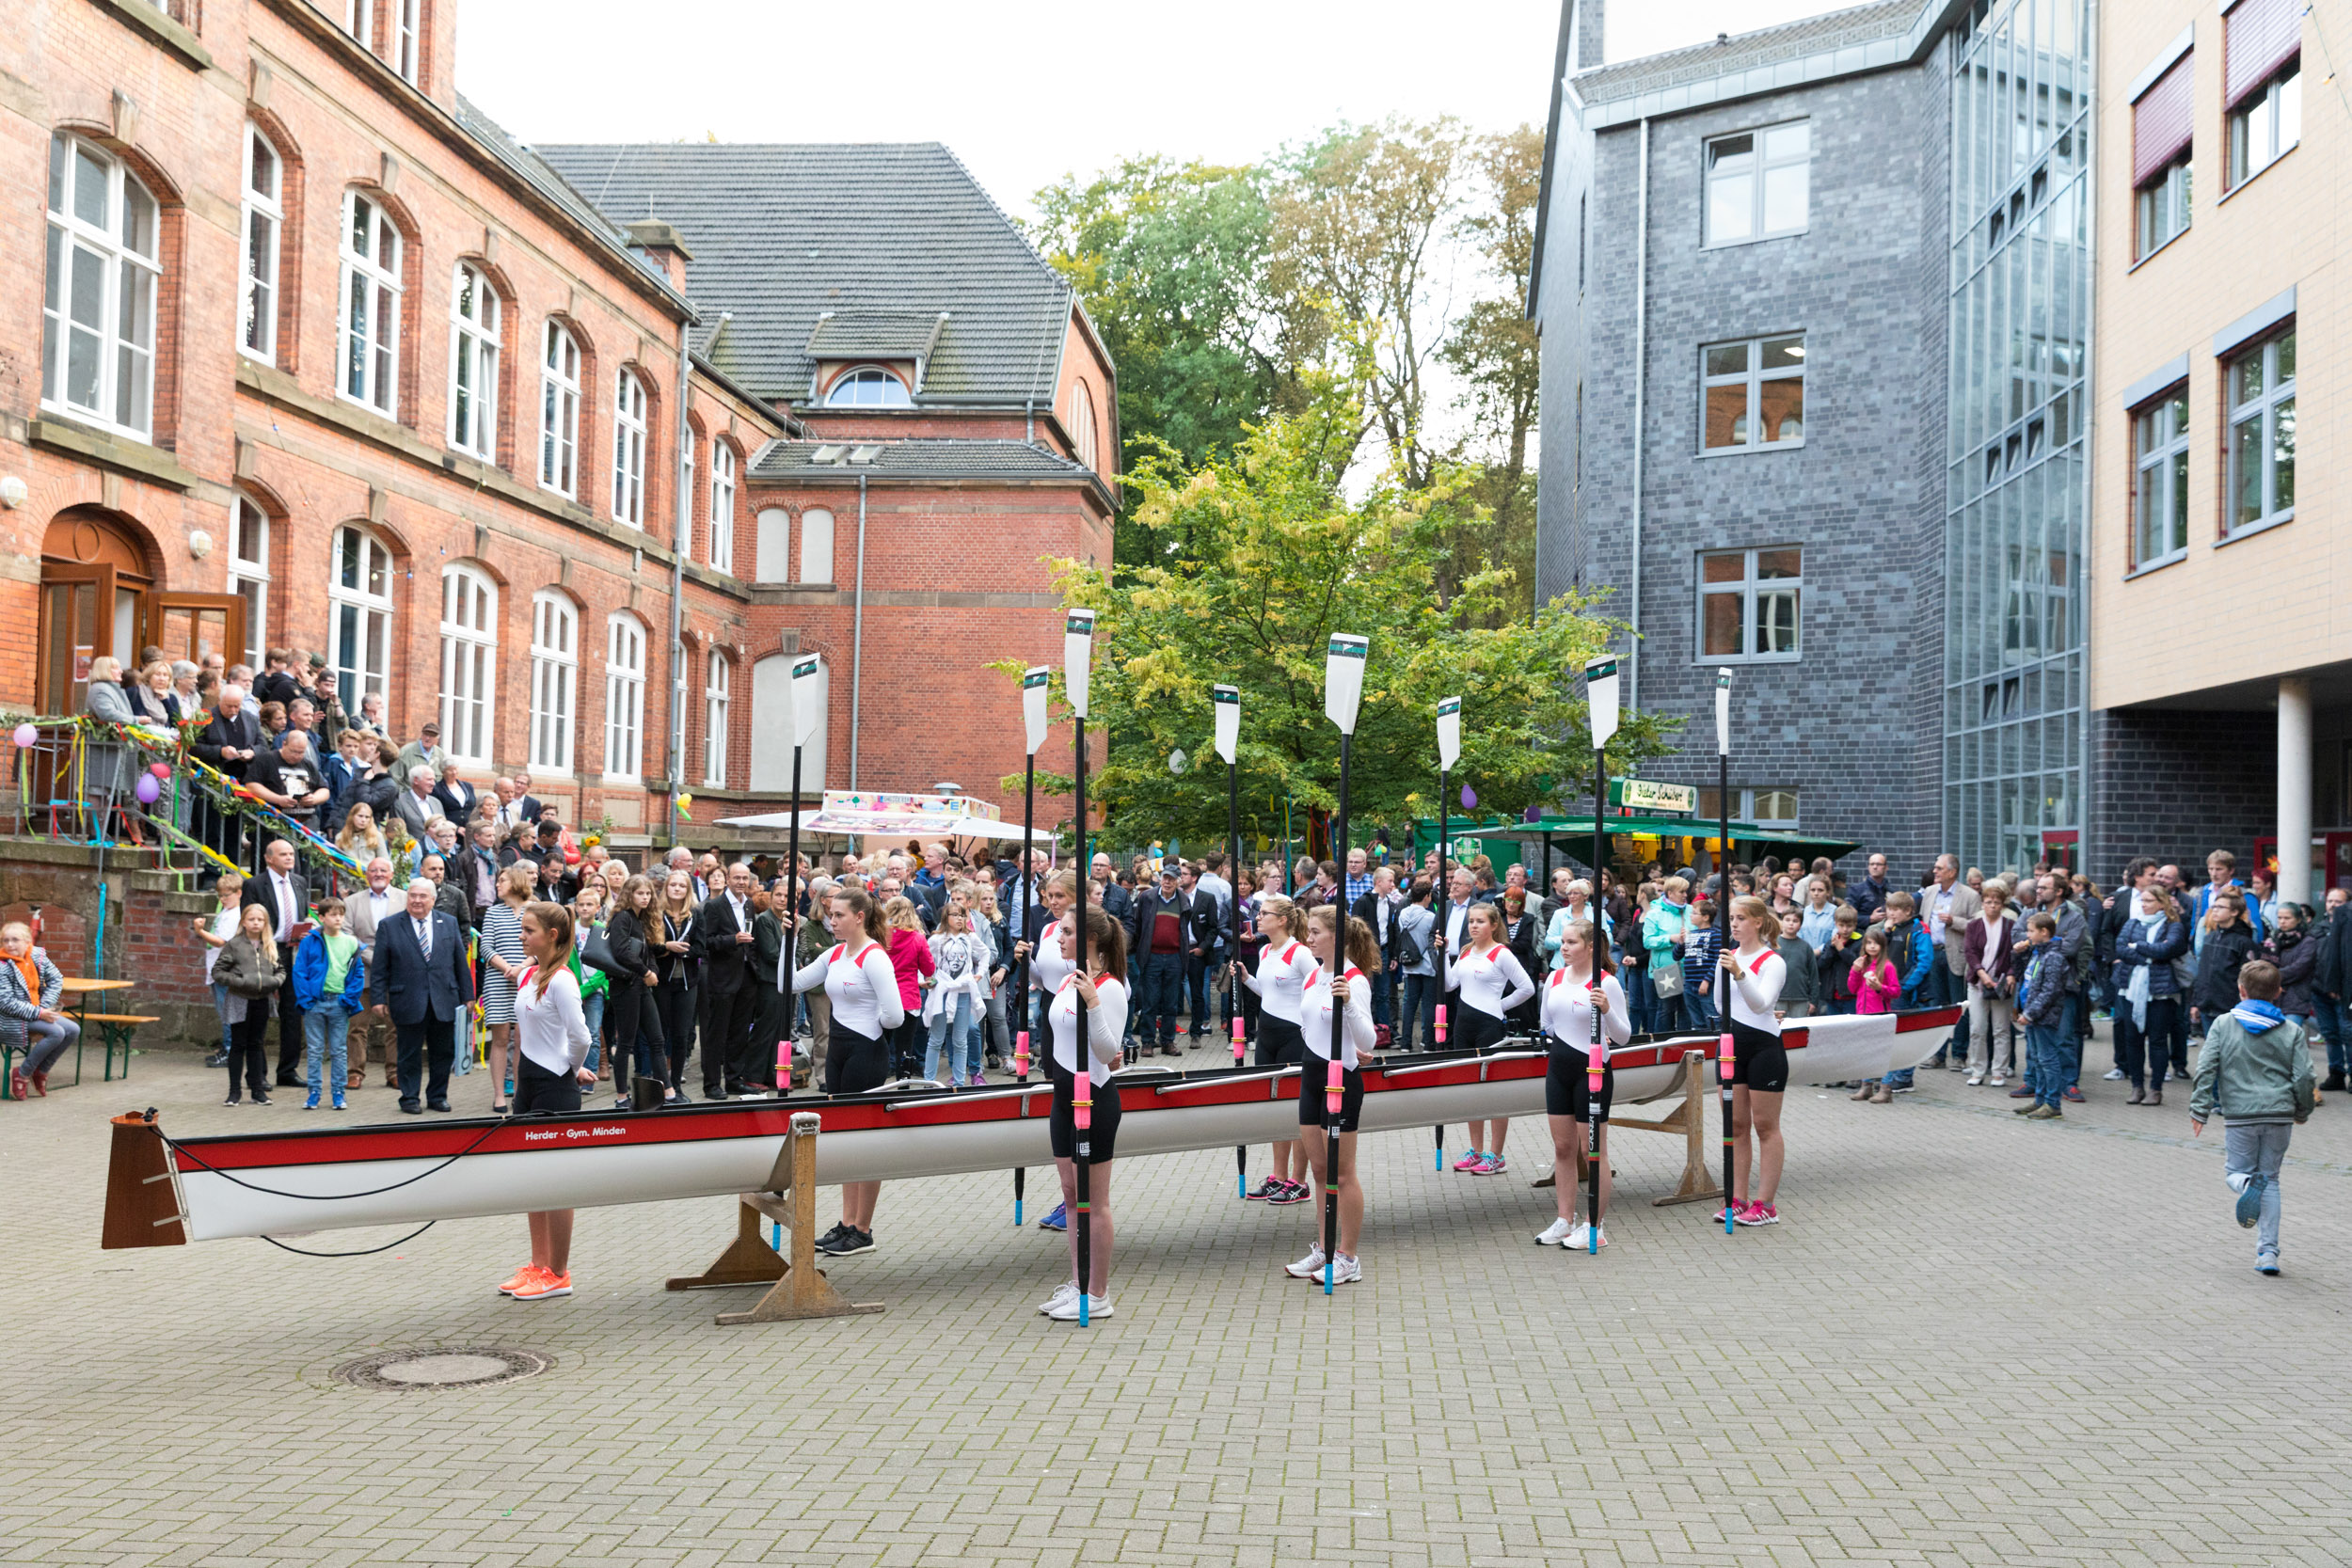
(1471, 1161)
(1761, 1214)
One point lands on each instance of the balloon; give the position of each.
(1470, 798)
(147, 789)
(25, 736)
(161, 769)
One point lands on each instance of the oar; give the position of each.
(1723, 868)
(1225, 701)
(1343, 692)
(1077, 648)
(1600, 697)
(1033, 694)
(1449, 749)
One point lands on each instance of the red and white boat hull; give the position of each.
(407, 1173)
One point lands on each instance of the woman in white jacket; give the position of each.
(1754, 971)
(551, 1069)
(1339, 984)
(1087, 1050)
(1568, 1009)
(1492, 982)
(862, 987)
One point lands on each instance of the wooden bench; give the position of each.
(115, 1031)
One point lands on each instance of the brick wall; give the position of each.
(2175, 785)
(147, 935)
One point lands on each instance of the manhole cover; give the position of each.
(466, 1367)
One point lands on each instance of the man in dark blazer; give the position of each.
(230, 742)
(723, 928)
(420, 979)
(282, 890)
(526, 802)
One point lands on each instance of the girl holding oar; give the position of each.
(1492, 982)
(1284, 967)
(863, 988)
(1339, 982)
(1569, 1003)
(1100, 997)
(1754, 973)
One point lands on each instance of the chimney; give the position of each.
(661, 240)
(1589, 26)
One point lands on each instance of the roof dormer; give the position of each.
(872, 359)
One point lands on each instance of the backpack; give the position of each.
(1409, 951)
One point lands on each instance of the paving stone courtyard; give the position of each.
(1973, 1340)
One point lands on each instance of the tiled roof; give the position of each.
(881, 234)
(876, 334)
(536, 171)
(1813, 35)
(922, 458)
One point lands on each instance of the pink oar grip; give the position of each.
(1334, 1086)
(1082, 1105)
(1238, 1038)
(1021, 1054)
(1440, 1030)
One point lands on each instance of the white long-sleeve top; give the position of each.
(1048, 969)
(864, 990)
(1755, 994)
(1493, 982)
(1107, 1025)
(1569, 1014)
(1282, 979)
(1356, 1028)
(551, 1030)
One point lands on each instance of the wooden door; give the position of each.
(77, 626)
(189, 625)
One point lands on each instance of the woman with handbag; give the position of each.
(1992, 985)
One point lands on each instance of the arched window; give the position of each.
(623, 698)
(722, 506)
(628, 449)
(686, 493)
(469, 644)
(773, 560)
(368, 332)
(715, 692)
(869, 386)
(249, 572)
(1082, 424)
(473, 364)
(554, 680)
(98, 317)
(265, 218)
(815, 544)
(359, 615)
(559, 413)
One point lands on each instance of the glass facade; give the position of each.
(2019, 321)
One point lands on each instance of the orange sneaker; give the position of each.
(523, 1277)
(544, 1284)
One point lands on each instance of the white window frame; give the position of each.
(894, 396)
(248, 570)
(687, 493)
(359, 21)
(2160, 479)
(554, 681)
(1782, 598)
(1753, 377)
(625, 644)
(2266, 125)
(407, 38)
(1082, 424)
(470, 645)
(628, 448)
(2161, 210)
(2266, 414)
(123, 387)
(374, 380)
(361, 610)
(558, 411)
(1764, 162)
(722, 506)
(718, 684)
(261, 230)
(475, 319)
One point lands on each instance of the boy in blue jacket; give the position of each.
(331, 976)
(2049, 1064)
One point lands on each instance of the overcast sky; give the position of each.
(1025, 95)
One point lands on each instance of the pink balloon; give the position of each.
(25, 734)
(161, 769)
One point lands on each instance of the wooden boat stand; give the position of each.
(798, 1288)
(1699, 1183)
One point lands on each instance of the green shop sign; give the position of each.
(1659, 800)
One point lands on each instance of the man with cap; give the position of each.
(424, 751)
(1162, 927)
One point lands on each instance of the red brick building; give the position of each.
(563, 447)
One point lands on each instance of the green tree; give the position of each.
(1279, 558)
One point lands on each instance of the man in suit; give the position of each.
(1947, 905)
(230, 742)
(416, 805)
(525, 802)
(1205, 944)
(724, 928)
(283, 893)
(475, 868)
(419, 981)
(365, 912)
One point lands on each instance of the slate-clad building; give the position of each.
(1805, 417)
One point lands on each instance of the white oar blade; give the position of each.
(1344, 679)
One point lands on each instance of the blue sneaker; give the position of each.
(2265, 1262)
(1057, 1220)
(2249, 1203)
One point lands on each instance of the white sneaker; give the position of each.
(1064, 1293)
(2114, 1075)
(1998, 1081)
(1551, 1234)
(1580, 1238)
(1067, 1312)
(1307, 1267)
(1347, 1271)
